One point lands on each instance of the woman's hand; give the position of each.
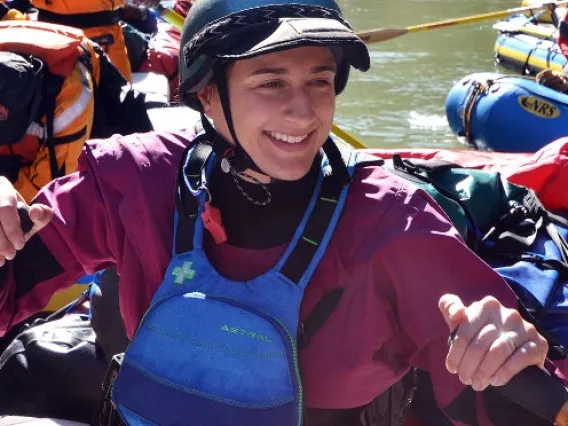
(491, 343)
(12, 237)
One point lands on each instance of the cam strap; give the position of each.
(555, 349)
(536, 209)
(52, 142)
(52, 87)
(62, 140)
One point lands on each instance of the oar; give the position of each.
(347, 137)
(176, 20)
(538, 392)
(383, 34)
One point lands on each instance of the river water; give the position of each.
(400, 101)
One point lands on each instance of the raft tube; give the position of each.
(528, 53)
(497, 112)
(521, 24)
(545, 171)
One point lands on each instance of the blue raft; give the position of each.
(527, 54)
(526, 48)
(505, 113)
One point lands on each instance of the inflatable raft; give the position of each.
(506, 113)
(545, 171)
(527, 47)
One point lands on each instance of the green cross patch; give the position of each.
(183, 272)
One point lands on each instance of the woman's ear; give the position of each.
(205, 96)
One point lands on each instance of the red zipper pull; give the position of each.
(213, 223)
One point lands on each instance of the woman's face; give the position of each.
(282, 106)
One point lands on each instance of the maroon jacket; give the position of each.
(394, 252)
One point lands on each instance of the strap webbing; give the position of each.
(190, 172)
(338, 154)
(62, 140)
(319, 315)
(316, 227)
(53, 84)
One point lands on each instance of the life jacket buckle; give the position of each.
(106, 414)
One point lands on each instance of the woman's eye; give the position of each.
(322, 82)
(271, 85)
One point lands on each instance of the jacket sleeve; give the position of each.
(85, 235)
(423, 263)
(74, 113)
(101, 213)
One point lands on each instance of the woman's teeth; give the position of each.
(287, 138)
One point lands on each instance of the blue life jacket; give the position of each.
(212, 351)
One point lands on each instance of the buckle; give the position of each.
(106, 414)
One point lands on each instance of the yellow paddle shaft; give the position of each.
(383, 34)
(347, 137)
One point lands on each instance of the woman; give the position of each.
(284, 208)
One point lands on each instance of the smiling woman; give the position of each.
(283, 114)
(284, 74)
(352, 276)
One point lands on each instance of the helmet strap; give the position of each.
(229, 158)
(233, 158)
(220, 78)
(238, 157)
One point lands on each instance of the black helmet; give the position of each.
(20, 94)
(221, 30)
